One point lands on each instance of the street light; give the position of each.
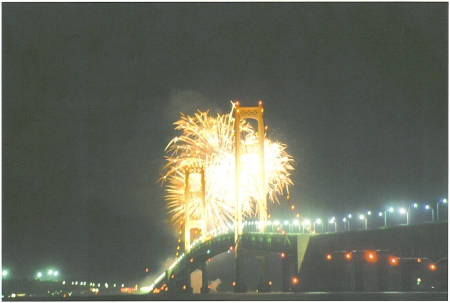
(362, 217)
(277, 224)
(318, 221)
(390, 209)
(306, 222)
(402, 211)
(409, 209)
(437, 208)
(348, 221)
(286, 222)
(369, 213)
(295, 223)
(432, 212)
(333, 220)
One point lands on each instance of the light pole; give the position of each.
(318, 221)
(409, 208)
(306, 222)
(289, 225)
(296, 224)
(437, 208)
(402, 211)
(333, 220)
(268, 222)
(432, 212)
(277, 224)
(362, 217)
(390, 209)
(369, 213)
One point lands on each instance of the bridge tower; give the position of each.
(255, 113)
(194, 189)
(241, 113)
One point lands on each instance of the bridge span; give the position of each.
(383, 259)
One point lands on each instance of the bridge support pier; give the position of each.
(239, 285)
(187, 288)
(382, 276)
(263, 285)
(443, 274)
(204, 289)
(406, 268)
(359, 274)
(289, 270)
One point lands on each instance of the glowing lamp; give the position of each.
(294, 280)
(432, 267)
(393, 261)
(329, 257)
(283, 255)
(349, 255)
(371, 256)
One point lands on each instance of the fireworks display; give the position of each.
(208, 142)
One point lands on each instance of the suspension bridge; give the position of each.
(364, 259)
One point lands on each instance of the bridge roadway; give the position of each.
(318, 263)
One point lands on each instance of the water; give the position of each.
(273, 296)
(308, 296)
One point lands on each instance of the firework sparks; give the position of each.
(209, 142)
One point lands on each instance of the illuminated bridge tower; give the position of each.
(241, 113)
(194, 189)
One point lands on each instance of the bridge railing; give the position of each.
(229, 228)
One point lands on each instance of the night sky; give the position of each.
(90, 92)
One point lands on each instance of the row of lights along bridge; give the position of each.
(349, 222)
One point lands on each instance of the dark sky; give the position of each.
(357, 91)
